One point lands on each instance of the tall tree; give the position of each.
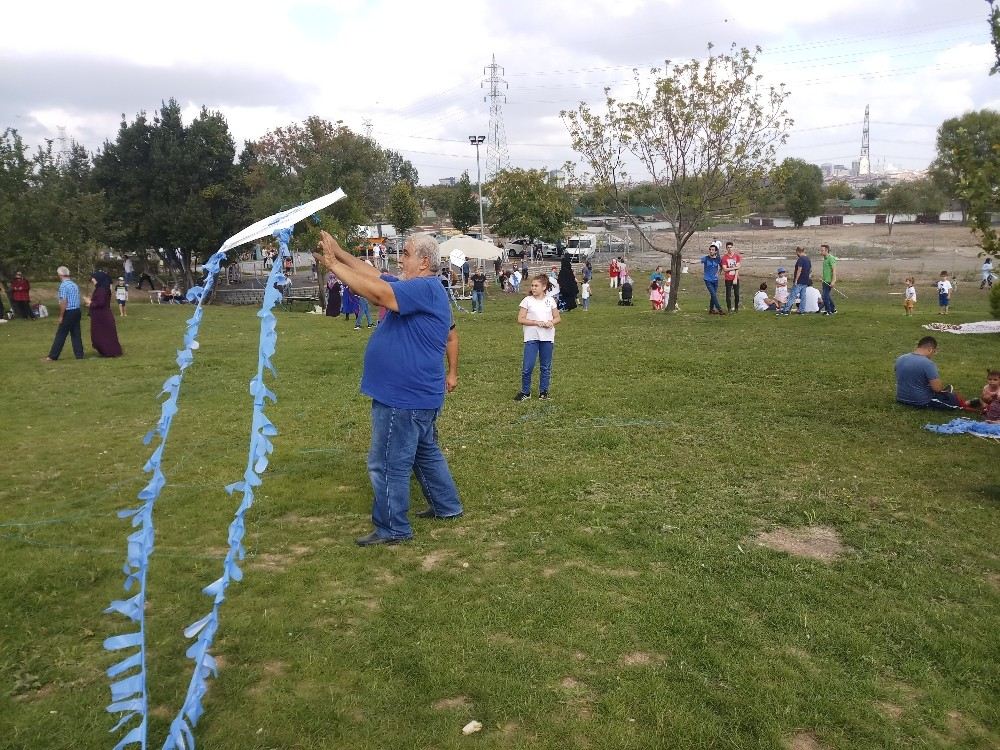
(464, 205)
(173, 188)
(404, 211)
(438, 197)
(523, 203)
(704, 133)
(839, 190)
(967, 168)
(994, 21)
(899, 199)
(802, 188)
(301, 161)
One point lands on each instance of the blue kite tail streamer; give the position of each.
(966, 426)
(203, 631)
(129, 696)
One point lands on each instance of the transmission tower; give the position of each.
(496, 142)
(864, 162)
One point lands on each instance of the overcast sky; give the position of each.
(413, 72)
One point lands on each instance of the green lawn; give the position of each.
(605, 588)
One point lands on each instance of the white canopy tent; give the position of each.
(471, 248)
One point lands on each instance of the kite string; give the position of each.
(129, 695)
(181, 736)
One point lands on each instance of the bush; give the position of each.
(995, 301)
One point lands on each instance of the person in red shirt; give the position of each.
(613, 272)
(20, 295)
(731, 261)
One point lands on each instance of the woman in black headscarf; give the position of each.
(103, 332)
(333, 287)
(568, 288)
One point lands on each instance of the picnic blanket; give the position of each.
(983, 326)
(968, 427)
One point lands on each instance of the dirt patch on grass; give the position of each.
(578, 697)
(271, 670)
(889, 710)
(278, 561)
(993, 579)
(804, 741)
(448, 704)
(641, 659)
(432, 560)
(814, 542)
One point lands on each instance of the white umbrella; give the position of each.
(471, 248)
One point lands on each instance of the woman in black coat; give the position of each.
(568, 288)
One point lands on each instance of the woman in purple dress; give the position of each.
(333, 287)
(103, 332)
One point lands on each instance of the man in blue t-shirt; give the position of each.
(917, 380)
(711, 265)
(405, 378)
(800, 281)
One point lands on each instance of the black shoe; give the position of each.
(522, 397)
(429, 513)
(374, 538)
(543, 396)
(975, 403)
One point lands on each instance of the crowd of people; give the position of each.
(411, 359)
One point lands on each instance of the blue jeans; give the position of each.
(586, 303)
(798, 292)
(363, 310)
(542, 351)
(477, 301)
(828, 304)
(404, 441)
(713, 294)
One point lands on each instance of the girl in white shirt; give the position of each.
(538, 315)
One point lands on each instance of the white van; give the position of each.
(581, 247)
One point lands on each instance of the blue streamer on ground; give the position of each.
(129, 696)
(203, 631)
(966, 426)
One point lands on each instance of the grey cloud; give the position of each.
(106, 88)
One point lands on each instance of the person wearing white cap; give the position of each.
(121, 295)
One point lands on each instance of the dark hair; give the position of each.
(826, 246)
(763, 287)
(944, 273)
(927, 341)
(729, 243)
(992, 372)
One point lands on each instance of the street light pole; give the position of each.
(477, 140)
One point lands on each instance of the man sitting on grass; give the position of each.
(918, 383)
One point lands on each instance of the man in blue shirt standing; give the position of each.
(801, 280)
(69, 317)
(404, 375)
(711, 264)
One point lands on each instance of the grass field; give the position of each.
(608, 586)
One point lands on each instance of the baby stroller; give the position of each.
(625, 295)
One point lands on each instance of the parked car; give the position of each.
(518, 248)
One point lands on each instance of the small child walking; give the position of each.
(121, 295)
(910, 296)
(944, 288)
(585, 294)
(538, 315)
(656, 295)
